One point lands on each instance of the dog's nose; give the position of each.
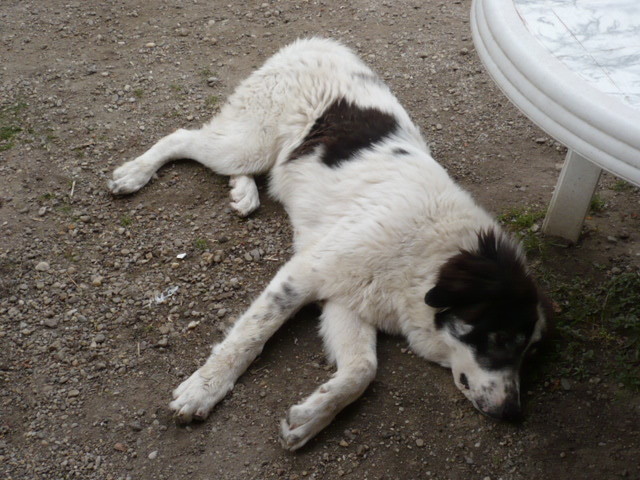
(509, 411)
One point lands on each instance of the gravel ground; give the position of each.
(100, 319)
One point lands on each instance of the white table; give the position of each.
(573, 67)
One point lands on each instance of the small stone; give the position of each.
(541, 140)
(563, 455)
(163, 342)
(419, 442)
(121, 447)
(211, 81)
(612, 239)
(99, 338)
(50, 322)
(73, 393)
(42, 267)
(192, 324)
(96, 280)
(135, 426)
(464, 51)
(153, 455)
(566, 385)
(42, 211)
(344, 443)
(150, 45)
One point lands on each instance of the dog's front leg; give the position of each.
(352, 344)
(289, 290)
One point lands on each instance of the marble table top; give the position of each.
(597, 39)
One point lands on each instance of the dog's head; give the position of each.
(490, 313)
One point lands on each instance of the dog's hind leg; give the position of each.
(352, 344)
(232, 144)
(289, 290)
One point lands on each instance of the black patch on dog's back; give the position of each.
(489, 288)
(344, 129)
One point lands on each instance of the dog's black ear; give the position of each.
(438, 297)
(494, 272)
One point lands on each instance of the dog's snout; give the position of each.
(509, 411)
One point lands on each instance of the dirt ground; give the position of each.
(88, 358)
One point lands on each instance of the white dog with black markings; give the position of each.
(384, 239)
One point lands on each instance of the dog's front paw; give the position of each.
(244, 195)
(198, 394)
(130, 177)
(301, 425)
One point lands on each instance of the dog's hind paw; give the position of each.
(130, 177)
(197, 395)
(244, 195)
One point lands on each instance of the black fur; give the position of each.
(343, 130)
(490, 289)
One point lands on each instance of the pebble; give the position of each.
(73, 393)
(42, 267)
(153, 455)
(50, 322)
(42, 211)
(150, 45)
(96, 280)
(419, 442)
(99, 338)
(566, 385)
(540, 140)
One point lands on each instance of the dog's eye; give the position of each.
(464, 381)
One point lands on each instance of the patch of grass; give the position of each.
(521, 222)
(211, 101)
(201, 243)
(597, 204)
(206, 72)
(9, 124)
(65, 208)
(126, 221)
(605, 315)
(176, 88)
(47, 196)
(138, 92)
(622, 186)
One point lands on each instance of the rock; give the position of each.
(153, 455)
(73, 393)
(43, 267)
(419, 442)
(96, 280)
(42, 211)
(99, 338)
(50, 322)
(566, 385)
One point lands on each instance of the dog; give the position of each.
(384, 239)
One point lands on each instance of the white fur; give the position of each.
(370, 235)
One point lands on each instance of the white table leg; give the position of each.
(572, 197)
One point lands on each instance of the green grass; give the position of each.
(600, 324)
(521, 222)
(597, 204)
(201, 243)
(126, 221)
(622, 186)
(211, 101)
(206, 72)
(9, 124)
(138, 92)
